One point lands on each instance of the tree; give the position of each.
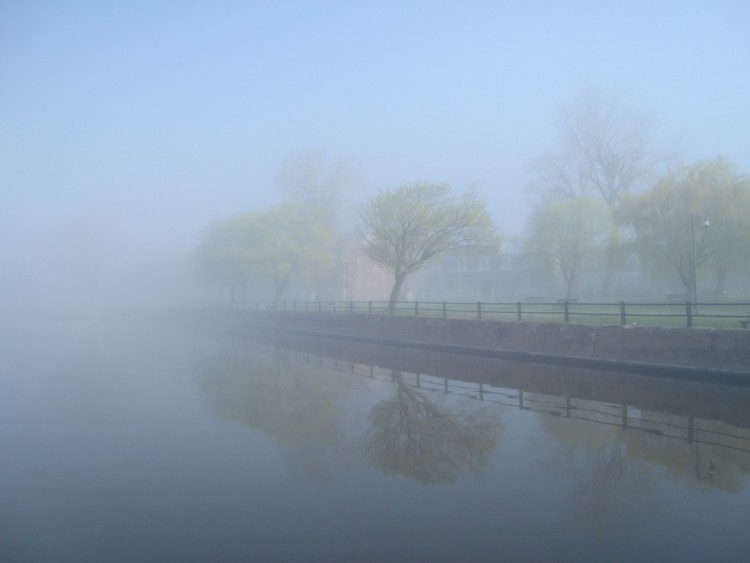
(404, 228)
(223, 257)
(311, 178)
(286, 241)
(568, 235)
(294, 240)
(606, 151)
(661, 220)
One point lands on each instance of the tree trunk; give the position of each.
(686, 277)
(396, 291)
(609, 268)
(280, 284)
(568, 290)
(569, 281)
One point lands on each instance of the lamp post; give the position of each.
(706, 224)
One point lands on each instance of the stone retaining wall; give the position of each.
(698, 348)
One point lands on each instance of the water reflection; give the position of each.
(443, 417)
(298, 404)
(141, 443)
(413, 435)
(298, 401)
(608, 456)
(611, 489)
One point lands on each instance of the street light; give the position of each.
(706, 224)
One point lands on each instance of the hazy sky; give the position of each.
(158, 116)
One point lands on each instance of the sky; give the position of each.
(140, 122)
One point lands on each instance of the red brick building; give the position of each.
(364, 279)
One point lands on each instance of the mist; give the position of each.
(126, 130)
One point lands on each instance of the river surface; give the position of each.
(152, 442)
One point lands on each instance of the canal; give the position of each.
(135, 441)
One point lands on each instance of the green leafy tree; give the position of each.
(223, 257)
(293, 240)
(288, 240)
(406, 227)
(661, 220)
(569, 235)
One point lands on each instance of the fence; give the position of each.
(680, 313)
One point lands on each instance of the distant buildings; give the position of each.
(481, 278)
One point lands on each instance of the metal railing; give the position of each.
(668, 313)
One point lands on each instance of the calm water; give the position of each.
(138, 442)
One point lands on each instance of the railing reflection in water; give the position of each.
(691, 429)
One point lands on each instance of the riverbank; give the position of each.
(715, 354)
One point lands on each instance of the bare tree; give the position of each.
(311, 177)
(607, 150)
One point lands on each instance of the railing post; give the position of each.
(445, 310)
(369, 307)
(566, 310)
(622, 313)
(294, 305)
(479, 310)
(518, 310)
(416, 308)
(334, 305)
(689, 313)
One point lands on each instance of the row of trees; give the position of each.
(609, 194)
(401, 229)
(289, 240)
(677, 209)
(659, 224)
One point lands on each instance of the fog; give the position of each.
(125, 129)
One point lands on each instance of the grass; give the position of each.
(709, 315)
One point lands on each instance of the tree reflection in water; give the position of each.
(295, 403)
(299, 404)
(616, 458)
(611, 489)
(415, 437)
